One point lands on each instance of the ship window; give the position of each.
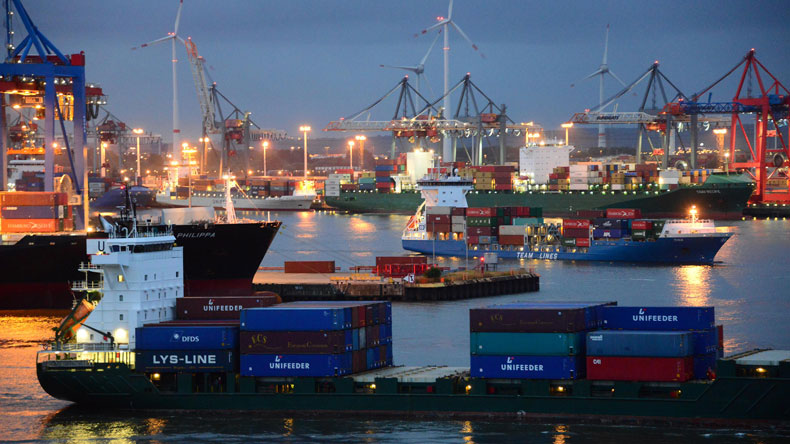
(120, 317)
(120, 278)
(146, 277)
(176, 274)
(115, 248)
(146, 314)
(120, 297)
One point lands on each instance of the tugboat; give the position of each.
(444, 225)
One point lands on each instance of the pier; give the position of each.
(354, 286)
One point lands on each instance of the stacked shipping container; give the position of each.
(531, 340)
(316, 338)
(39, 212)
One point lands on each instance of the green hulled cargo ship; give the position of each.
(720, 197)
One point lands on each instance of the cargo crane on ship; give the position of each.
(417, 118)
(770, 110)
(54, 85)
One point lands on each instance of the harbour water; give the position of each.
(748, 289)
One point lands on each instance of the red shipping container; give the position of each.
(511, 239)
(438, 219)
(478, 231)
(623, 213)
(575, 223)
(576, 232)
(438, 228)
(220, 308)
(481, 212)
(503, 187)
(582, 241)
(522, 211)
(609, 368)
(641, 225)
(310, 266)
(385, 260)
(590, 214)
(32, 198)
(383, 173)
(457, 211)
(68, 224)
(472, 240)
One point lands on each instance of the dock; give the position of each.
(357, 286)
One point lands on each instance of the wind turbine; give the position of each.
(602, 71)
(445, 23)
(172, 36)
(419, 70)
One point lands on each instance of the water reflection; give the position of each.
(693, 282)
(467, 431)
(560, 436)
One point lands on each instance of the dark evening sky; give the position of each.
(302, 61)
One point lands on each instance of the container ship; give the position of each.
(445, 226)
(248, 195)
(586, 187)
(40, 252)
(594, 361)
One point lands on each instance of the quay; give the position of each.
(357, 286)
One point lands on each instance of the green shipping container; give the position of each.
(568, 241)
(527, 221)
(534, 344)
(481, 221)
(639, 234)
(536, 211)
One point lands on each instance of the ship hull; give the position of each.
(284, 203)
(677, 250)
(715, 403)
(721, 201)
(218, 259)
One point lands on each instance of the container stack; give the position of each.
(163, 348)
(367, 181)
(575, 232)
(502, 225)
(35, 212)
(584, 175)
(657, 344)
(316, 339)
(695, 176)
(559, 179)
(531, 340)
(401, 266)
(385, 168)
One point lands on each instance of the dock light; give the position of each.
(560, 389)
(468, 389)
(156, 376)
(82, 335)
(760, 370)
(373, 386)
(121, 335)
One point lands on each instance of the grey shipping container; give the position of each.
(539, 344)
(664, 344)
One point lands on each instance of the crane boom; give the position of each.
(206, 99)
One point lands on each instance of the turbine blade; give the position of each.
(178, 16)
(450, 11)
(435, 39)
(154, 42)
(618, 78)
(606, 45)
(431, 28)
(597, 72)
(407, 68)
(425, 79)
(466, 37)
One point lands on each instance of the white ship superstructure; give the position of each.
(141, 275)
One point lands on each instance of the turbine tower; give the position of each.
(602, 71)
(445, 23)
(419, 70)
(172, 36)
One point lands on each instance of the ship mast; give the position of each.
(230, 210)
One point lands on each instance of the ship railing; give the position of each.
(87, 266)
(87, 285)
(68, 356)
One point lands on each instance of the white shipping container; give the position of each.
(512, 230)
(579, 187)
(457, 228)
(618, 186)
(438, 210)
(457, 220)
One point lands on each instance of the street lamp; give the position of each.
(265, 144)
(102, 157)
(138, 173)
(567, 126)
(351, 156)
(726, 162)
(204, 157)
(305, 129)
(361, 140)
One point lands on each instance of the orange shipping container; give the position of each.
(32, 198)
(30, 225)
(511, 239)
(310, 266)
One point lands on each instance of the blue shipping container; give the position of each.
(295, 365)
(354, 339)
(201, 361)
(665, 344)
(658, 318)
(704, 363)
(610, 233)
(705, 341)
(293, 318)
(187, 338)
(32, 212)
(371, 357)
(527, 367)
